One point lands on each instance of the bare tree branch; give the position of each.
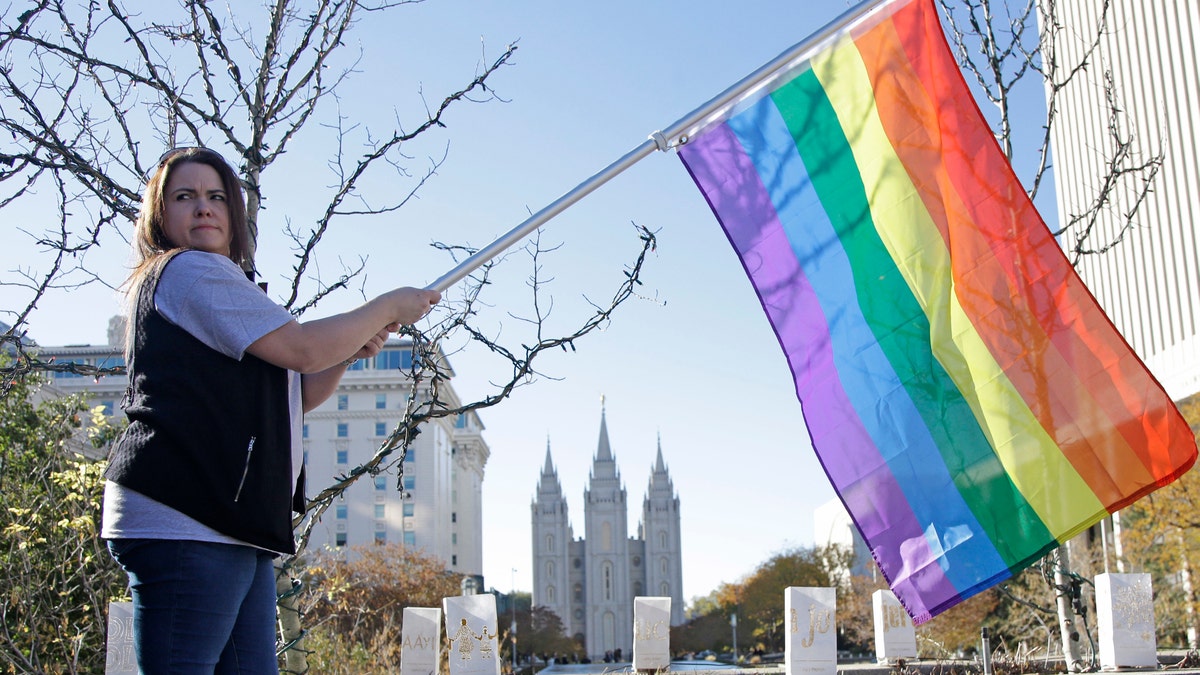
(70, 109)
(1125, 170)
(380, 151)
(428, 373)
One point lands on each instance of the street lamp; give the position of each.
(513, 601)
(733, 622)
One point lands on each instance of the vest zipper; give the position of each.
(246, 469)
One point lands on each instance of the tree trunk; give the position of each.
(1066, 615)
(290, 627)
(1189, 594)
(1118, 549)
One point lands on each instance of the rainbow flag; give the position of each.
(970, 402)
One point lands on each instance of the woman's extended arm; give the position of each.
(315, 346)
(317, 387)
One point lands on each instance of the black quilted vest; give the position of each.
(208, 436)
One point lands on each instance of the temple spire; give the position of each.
(548, 469)
(603, 449)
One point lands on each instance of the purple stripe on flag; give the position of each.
(848, 454)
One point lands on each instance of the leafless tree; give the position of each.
(1010, 50)
(429, 401)
(91, 92)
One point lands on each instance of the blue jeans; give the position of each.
(200, 607)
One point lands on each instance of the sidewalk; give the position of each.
(1169, 661)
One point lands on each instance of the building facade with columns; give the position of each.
(590, 582)
(436, 506)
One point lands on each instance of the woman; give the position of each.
(201, 485)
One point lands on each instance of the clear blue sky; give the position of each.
(696, 365)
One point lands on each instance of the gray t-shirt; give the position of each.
(210, 297)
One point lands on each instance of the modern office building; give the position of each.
(1148, 57)
(590, 582)
(436, 506)
(1149, 283)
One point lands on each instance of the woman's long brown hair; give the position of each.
(150, 243)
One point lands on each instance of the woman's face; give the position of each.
(196, 209)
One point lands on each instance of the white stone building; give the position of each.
(590, 583)
(439, 509)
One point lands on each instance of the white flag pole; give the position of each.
(674, 135)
